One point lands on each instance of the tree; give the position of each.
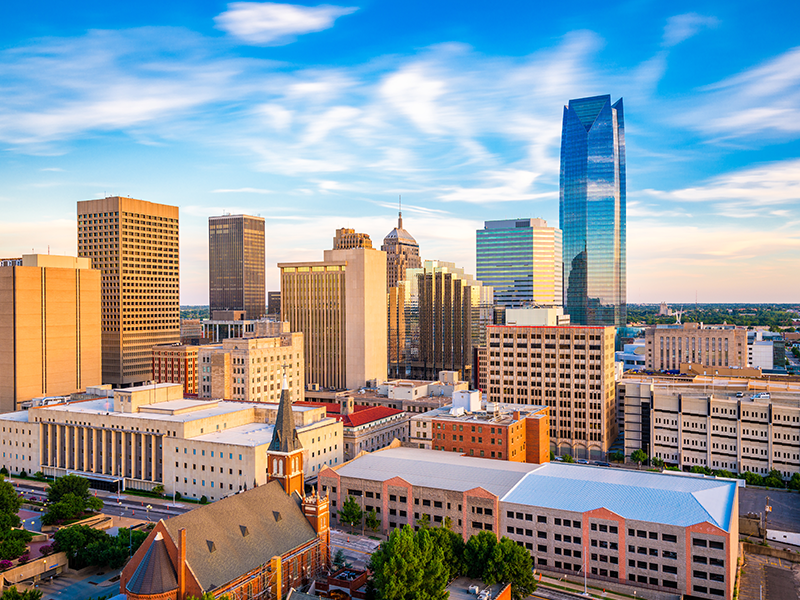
(568, 458)
(452, 545)
(752, 478)
(69, 498)
(617, 457)
(204, 499)
(639, 456)
(351, 512)
(774, 479)
(69, 484)
(373, 522)
(424, 521)
(10, 503)
(794, 482)
(723, 473)
(477, 552)
(12, 594)
(552, 455)
(158, 489)
(409, 566)
(511, 563)
(701, 470)
(658, 462)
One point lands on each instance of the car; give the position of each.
(600, 463)
(582, 461)
(558, 459)
(760, 396)
(740, 394)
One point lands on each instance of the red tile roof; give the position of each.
(362, 415)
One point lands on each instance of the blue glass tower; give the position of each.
(592, 211)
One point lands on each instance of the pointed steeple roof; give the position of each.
(284, 437)
(155, 575)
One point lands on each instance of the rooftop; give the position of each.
(641, 496)
(504, 413)
(362, 415)
(436, 469)
(252, 434)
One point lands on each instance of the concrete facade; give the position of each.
(568, 368)
(705, 424)
(135, 245)
(49, 328)
(251, 369)
(710, 345)
(339, 305)
(151, 435)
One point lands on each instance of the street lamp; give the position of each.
(148, 507)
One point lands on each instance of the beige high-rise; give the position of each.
(568, 368)
(402, 253)
(339, 304)
(49, 328)
(135, 245)
(709, 345)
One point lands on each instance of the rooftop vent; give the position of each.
(277, 516)
(245, 531)
(211, 547)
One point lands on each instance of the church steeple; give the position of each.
(285, 452)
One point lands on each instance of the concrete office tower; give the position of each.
(339, 304)
(592, 211)
(135, 245)
(49, 328)
(348, 238)
(402, 252)
(236, 264)
(521, 260)
(568, 368)
(669, 346)
(437, 316)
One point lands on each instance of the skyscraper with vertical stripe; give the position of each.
(592, 211)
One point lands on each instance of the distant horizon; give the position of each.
(317, 116)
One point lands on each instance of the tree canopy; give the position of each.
(69, 498)
(351, 512)
(87, 546)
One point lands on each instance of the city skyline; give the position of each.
(458, 111)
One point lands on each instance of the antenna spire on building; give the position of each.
(399, 211)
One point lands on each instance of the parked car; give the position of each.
(582, 461)
(740, 394)
(600, 463)
(760, 396)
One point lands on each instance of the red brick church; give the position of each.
(253, 545)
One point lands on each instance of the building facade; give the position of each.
(339, 304)
(680, 537)
(437, 317)
(667, 346)
(731, 425)
(568, 368)
(592, 211)
(236, 264)
(402, 253)
(345, 239)
(150, 435)
(521, 260)
(230, 548)
(252, 369)
(518, 433)
(49, 328)
(176, 363)
(134, 244)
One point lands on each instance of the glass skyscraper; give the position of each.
(592, 211)
(521, 260)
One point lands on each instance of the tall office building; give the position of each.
(402, 252)
(437, 317)
(135, 245)
(339, 304)
(348, 238)
(521, 260)
(236, 264)
(592, 211)
(49, 328)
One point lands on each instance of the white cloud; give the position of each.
(681, 27)
(270, 23)
(244, 190)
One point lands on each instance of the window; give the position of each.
(669, 569)
(669, 538)
(699, 543)
(669, 584)
(541, 534)
(541, 548)
(557, 521)
(716, 545)
(541, 519)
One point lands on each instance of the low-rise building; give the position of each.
(735, 425)
(513, 432)
(152, 435)
(365, 428)
(569, 368)
(626, 530)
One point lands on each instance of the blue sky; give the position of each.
(319, 116)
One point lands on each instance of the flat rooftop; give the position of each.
(252, 434)
(504, 414)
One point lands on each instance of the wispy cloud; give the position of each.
(270, 23)
(681, 27)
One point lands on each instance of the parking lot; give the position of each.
(785, 515)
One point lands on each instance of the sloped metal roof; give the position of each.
(641, 496)
(155, 574)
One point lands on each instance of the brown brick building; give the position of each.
(176, 363)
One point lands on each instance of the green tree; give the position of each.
(339, 559)
(351, 512)
(701, 470)
(639, 456)
(452, 545)
(657, 462)
(794, 482)
(424, 521)
(373, 522)
(752, 478)
(511, 564)
(69, 484)
(617, 457)
(552, 455)
(568, 458)
(158, 489)
(13, 594)
(723, 473)
(10, 503)
(477, 553)
(774, 479)
(409, 566)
